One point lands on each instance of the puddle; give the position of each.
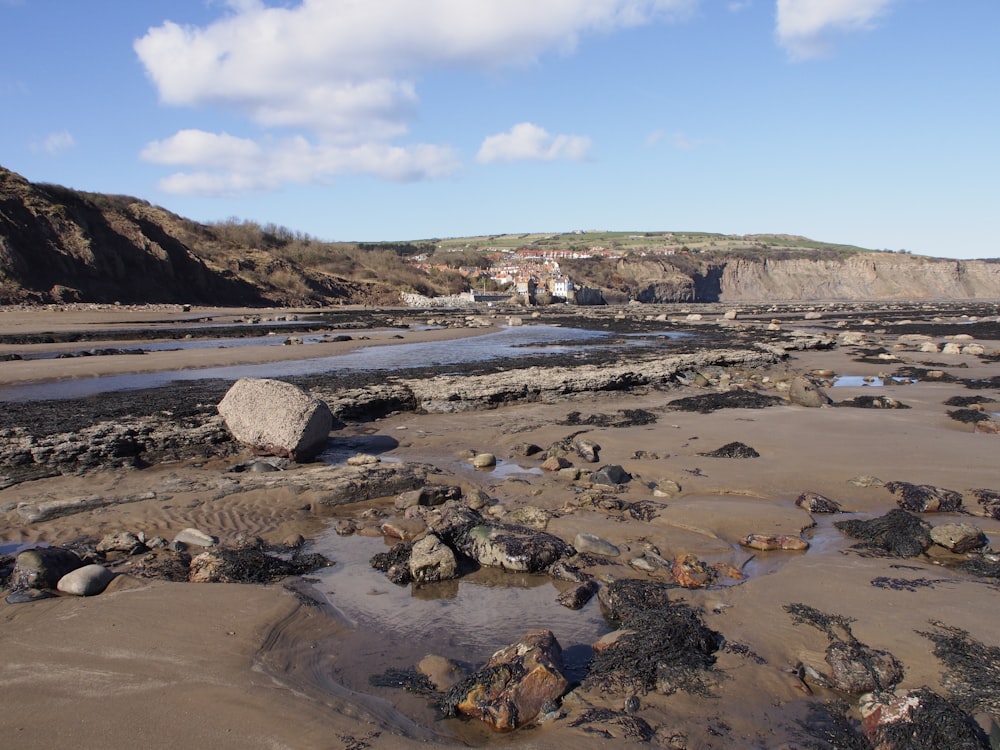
(513, 341)
(868, 380)
(465, 620)
(507, 469)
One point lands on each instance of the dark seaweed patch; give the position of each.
(667, 648)
(932, 724)
(633, 727)
(972, 669)
(710, 402)
(732, 450)
(624, 418)
(968, 416)
(897, 533)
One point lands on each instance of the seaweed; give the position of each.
(829, 728)
(896, 534)
(803, 614)
(873, 402)
(737, 399)
(399, 554)
(633, 727)
(667, 648)
(932, 723)
(624, 418)
(966, 401)
(735, 449)
(920, 498)
(972, 669)
(625, 597)
(408, 679)
(968, 416)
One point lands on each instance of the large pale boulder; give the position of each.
(276, 418)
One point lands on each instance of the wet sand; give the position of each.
(158, 664)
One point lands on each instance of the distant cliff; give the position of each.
(63, 245)
(861, 276)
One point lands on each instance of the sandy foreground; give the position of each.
(153, 664)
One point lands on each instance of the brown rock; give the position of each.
(515, 683)
(691, 573)
(769, 542)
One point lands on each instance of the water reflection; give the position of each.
(514, 341)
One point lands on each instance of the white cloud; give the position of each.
(677, 139)
(343, 72)
(222, 164)
(735, 6)
(55, 143)
(529, 142)
(804, 27)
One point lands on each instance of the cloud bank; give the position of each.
(332, 84)
(804, 27)
(340, 75)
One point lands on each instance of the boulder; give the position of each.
(277, 418)
(857, 668)
(610, 475)
(42, 567)
(431, 560)
(959, 537)
(925, 498)
(920, 720)
(691, 573)
(578, 595)
(804, 392)
(484, 461)
(510, 690)
(817, 503)
(89, 580)
(511, 547)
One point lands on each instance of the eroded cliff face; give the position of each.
(858, 277)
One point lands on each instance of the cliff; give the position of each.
(865, 276)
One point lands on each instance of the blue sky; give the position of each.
(869, 122)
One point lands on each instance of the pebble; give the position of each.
(195, 537)
(594, 545)
(89, 580)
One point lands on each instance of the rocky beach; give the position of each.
(754, 526)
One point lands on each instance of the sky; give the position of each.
(865, 122)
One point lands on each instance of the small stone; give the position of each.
(363, 459)
(577, 596)
(403, 528)
(484, 461)
(195, 537)
(595, 545)
(691, 573)
(612, 475)
(89, 580)
(555, 463)
(771, 542)
(817, 503)
(123, 541)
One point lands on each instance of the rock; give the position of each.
(484, 461)
(510, 690)
(959, 537)
(248, 565)
(526, 449)
(817, 503)
(595, 545)
(555, 463)
(431, 494)
(588, 450)
(122, 541)
(988, 502)
(511, 547)
(89, 580)
(42, 567)
(363, 459)
(920, 720)
(691, 573)
(276, 418)
(406, 529)
(770, 542)
(925, 498)
(195, 537)
(577, 596)
(857, 668)
(431, 560)
(804, 392)
(530, 516)
(612, 475)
